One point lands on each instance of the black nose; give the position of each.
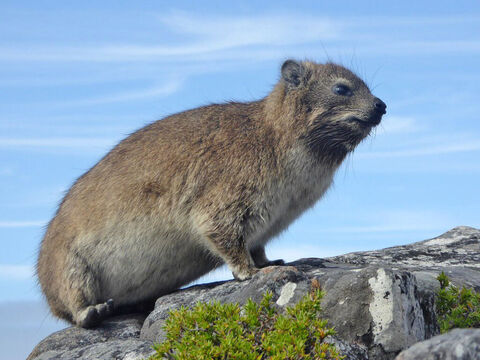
(380, 106)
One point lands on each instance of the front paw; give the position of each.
(278, 262)
(245, 274)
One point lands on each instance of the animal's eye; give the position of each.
(340, 89)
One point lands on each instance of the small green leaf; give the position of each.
(456, 308)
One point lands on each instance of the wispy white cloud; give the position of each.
(424, 143)
(266, 36)
(399, 124)
(168, 88)
(157, 91)
(21, 224)
(16, 272)
(218, 51)
(457, 47)
(442, 20)
(224, 32)
(209, 35)
(427, 150)
(120, 53)
(58, 142)
(73, 122)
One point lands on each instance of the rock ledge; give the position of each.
(380, 302)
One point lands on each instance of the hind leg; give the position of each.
(80, 295)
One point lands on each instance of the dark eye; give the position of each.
(343, 90)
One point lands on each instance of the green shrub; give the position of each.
(456, 308)
(253, 332)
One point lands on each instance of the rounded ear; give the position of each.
(292, 72)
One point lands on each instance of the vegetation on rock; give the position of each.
(456, 308)
(252, 332)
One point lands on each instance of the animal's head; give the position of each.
(334, 108)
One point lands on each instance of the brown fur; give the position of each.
(198, 189)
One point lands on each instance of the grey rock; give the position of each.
(457, 252)
(380, 302)
(458, 344)
(373, 307)
(351, 351)
(130, 349)
(117, 338)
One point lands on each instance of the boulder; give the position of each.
(380, 302)
(457, 344)
(116, 338)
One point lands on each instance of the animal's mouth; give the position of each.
(366, 122)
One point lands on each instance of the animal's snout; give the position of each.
(380, 106)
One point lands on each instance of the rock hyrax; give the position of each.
(201, 188)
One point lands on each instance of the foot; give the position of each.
(93, 315)
(244, 274)
(278, 262)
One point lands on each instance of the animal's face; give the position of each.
(340, 109)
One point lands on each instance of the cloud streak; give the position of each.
(239, 31)
(218, 51)
(21, 224)
(399, 124)
(429, 150)
(214, 35)
(16, 272)
(255, 37)
(57, 142)
(166, 89)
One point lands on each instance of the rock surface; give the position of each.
(117, 338)
(380, 302)
(457, 252)
(458, 344)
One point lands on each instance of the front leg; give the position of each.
(260, 259)
(239, 260)
(232, 249)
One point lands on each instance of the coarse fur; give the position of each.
(204, 187)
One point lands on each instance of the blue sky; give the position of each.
(76, 77)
